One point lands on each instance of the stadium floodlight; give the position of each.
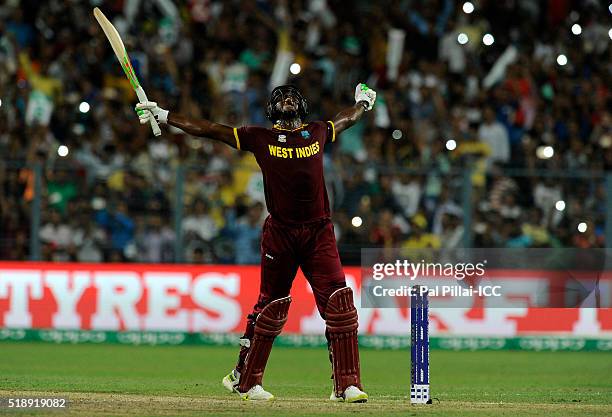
(561, 60)
(451, 145)
(549, 151)
(576, 29)
(356, 221)
(560, 205)
(462, 38)
(468, 7)
(582, 227)
(488, 39)
(295, 68)
(545, 152)
(397, 134)
(62, 151)
(84, 107)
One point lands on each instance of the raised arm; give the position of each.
(364, 100)
(348, 117)
(203, 128)
(195, 127)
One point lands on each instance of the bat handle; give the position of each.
(155, 127)
(142, 98)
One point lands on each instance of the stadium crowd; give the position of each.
(525, 121)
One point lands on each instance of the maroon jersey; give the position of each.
(292, 165)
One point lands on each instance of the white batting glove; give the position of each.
(150, 109)
(365, 93)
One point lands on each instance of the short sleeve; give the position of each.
(245, 138)
(326, 130)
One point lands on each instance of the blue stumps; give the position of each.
(419, 346)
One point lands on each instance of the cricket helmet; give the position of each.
(277, 94)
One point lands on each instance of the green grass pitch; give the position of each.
(117, 380)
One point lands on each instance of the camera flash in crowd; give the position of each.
(561, 60)
(488, 39)
(295, 68)
(560, 205)
(582, 227)
(545, 152)
(62, 151)
(451, 144)
(356, 221)
(462, 38)
(468, 7)
(576, 29)
(84, 107)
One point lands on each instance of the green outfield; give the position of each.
(121, 380)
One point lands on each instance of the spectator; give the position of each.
(546, 193)
(246, 233)
(61, 188)
(452, 231)
(419, 237)
(199, 224)
(119, 227)
(386, 233)
(407, 190)
(494, 134)
(154, 241)
(56, 234)
(88, 240)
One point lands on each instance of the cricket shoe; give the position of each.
(351, 395)
(257, 393)
(231, 381)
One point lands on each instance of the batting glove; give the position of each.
(150, 109)
(365, 93)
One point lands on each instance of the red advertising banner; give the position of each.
(217, 299)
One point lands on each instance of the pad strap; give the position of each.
(268, 325)
(342, 324)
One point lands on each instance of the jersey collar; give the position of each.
(277, 127)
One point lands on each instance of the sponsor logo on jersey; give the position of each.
(282, 138)
(305, 134)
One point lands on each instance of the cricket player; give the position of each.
(297, 233)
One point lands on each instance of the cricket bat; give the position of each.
(115, 40)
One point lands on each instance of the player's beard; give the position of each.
(288, 114)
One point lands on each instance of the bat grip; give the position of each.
(142, 98)
(155, 127)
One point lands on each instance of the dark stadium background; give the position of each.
(122, 195)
